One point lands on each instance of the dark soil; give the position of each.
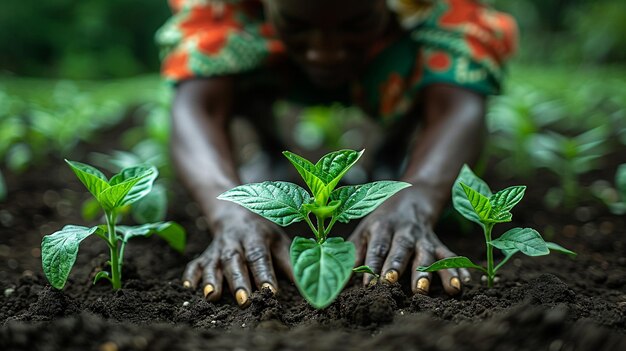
(546, 303)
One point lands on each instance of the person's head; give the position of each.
(329, 39)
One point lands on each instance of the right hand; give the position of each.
(242, 242)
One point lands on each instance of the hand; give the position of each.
(242, 242)
(389, 236)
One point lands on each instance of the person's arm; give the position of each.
(452, 134)
(203, 155)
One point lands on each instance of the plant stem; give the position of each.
(116, 274)
(320, 229)
(490, 270)
(308, 221)
(330, 226)
(121, 255)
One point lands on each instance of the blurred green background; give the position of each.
(70, 69)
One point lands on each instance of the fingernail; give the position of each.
(208, 290)
(187, 284)
(467, 279)
(242, 298)
(455, 283)
(422, 286)
(391, 276)
(269, 286)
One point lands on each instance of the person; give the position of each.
(419, 67)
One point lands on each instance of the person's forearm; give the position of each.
(453, 134)
(200, 145)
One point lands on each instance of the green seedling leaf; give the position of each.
(459, 198)
(528, 241)
(101, 275)
(359, 200)
(94, 180)
(152, 207)
(59, 250)
(171, 232)
(451, 262)
(499, 217)
(324, 176)
(365, 269)
(145, 175)
(505, 200)
(322, 212)
(335, 165)
(113, 197)
(558, 248)
(280, 202)
(314, 178)
(480, 204)
(321, 270)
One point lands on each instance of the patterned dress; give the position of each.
(460, 42)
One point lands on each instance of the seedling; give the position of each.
(59, 250)
(366, 270)
(569, 158)
(473, 199)
(153, 206)
(613, 197)
(321, 266)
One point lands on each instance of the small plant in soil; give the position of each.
(473, 199)
(613, 197)
(59, 250)
(367, 270)
(321, 265)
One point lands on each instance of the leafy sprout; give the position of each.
(59, 250)
(322, 265)
(473, 199)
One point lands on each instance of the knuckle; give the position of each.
(236, 275)
(398, 259)
(444, 251)
(229, 254)
(426, 246)
(378, 249)
(256, 253)
(404, 241)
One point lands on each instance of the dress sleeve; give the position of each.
(465, 43)
(206, 38)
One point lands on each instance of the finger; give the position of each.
(280, 250)
(377, 249)
(420, 281)
(237, 275)
(400, 252)
(192, 273)
(450, 281)
(449, 277)
(212, 279)
(260, 263)
(465, 275)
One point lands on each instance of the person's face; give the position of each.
(328, 39)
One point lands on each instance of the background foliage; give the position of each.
(95, 63)
(80, 39)
(114, 38)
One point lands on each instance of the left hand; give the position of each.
(398, 230)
